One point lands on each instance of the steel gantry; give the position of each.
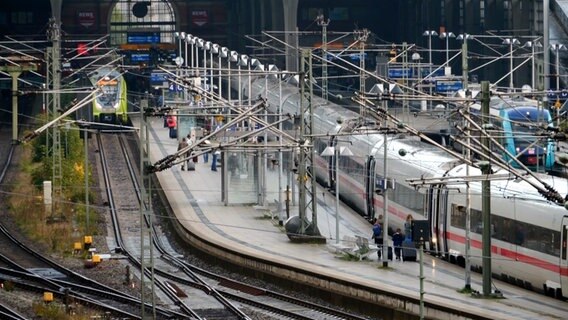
(306, 178)
(53, 83)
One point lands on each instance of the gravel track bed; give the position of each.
(112, 272)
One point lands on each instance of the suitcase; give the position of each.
(408, 251)
(173, 133)
(190, 166)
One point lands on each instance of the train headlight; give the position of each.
(434, 240)
(402, 152)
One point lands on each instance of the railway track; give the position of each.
(33, 272)
(187, 279)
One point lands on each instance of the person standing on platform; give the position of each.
(408, 227)
(377, 235)
(190, 141)
(216, 154)
(397, 239)
(206, 154)
(183, 144)
(171, 122)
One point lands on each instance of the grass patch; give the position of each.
(466, 290)
(56, 231)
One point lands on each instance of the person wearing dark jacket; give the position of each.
(397, 239)
(377, 235)
(183, 144)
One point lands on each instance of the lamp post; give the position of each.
(336, 152)
(200, 44)
(193, 41)
(511, 42)
(447, 36)
(188, 59)
(416, 62)
(178, 36)
(533, 45)
(223, 53)
(243, 62)
(556, 47)
(209, 68)
(216, 49)
(429, 34)
(234, 57)
(464, 37)
(417, 65)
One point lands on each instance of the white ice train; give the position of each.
(529, 233)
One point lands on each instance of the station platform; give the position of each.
(252, 236)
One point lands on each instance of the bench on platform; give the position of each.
(357, 247)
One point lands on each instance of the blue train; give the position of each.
(521, 127)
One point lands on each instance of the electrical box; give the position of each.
(420, 231)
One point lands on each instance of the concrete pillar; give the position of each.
(290, 25)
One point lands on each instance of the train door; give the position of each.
(564, 257)
(331, 164)
(370, 187)
(437, 216)
(432, 215)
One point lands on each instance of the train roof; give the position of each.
(410, 157)
(515, 187)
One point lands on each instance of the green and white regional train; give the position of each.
(110, 104)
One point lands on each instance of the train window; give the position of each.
(408, 197)
(458, 216)
(319, 146)
(515, 232)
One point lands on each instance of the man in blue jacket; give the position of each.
(377, 235)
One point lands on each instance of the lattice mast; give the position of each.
(306, 178)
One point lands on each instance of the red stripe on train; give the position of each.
(518, 257)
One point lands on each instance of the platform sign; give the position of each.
(448, 85)
(139, 57)
(397, 73)
(174, 87)
(561, 95)
(425, 71)
(142, 37)
(158, 79)
(357, 56)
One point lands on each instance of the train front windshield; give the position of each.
(110, 92)
(527, 128)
